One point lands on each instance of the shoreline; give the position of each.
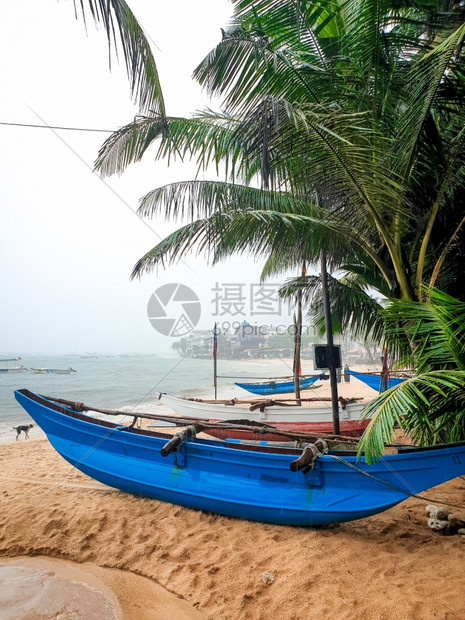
(227, 390)
(122, 594)
(383, 566)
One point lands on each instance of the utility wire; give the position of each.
(56, 127)
(128, 206)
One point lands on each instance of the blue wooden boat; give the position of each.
(246, 481)
(374, 380)
(276, 387)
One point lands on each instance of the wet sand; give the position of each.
(387, 566)
(40, 587)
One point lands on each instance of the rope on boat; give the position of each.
(422, 498)
(189, 432)
(308, 457)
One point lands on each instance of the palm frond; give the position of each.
(454, 162)
(222, 233)
(270, 51)
(209, 136)
(198, 199)
(352, 308)
(434, 331)
(117, 17)
(430, 406)
(426, 77)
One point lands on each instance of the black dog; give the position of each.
(23, 429)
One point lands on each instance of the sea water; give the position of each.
(126, 382)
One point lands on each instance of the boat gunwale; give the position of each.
(41, 400)
(218, 443)
(276, 382)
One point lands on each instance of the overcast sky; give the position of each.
(67, 241)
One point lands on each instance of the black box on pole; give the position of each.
(321, 356)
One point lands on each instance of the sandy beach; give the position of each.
(199, 565)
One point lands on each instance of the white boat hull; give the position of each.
(309, 418)
(54, 371)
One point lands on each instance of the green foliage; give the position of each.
(431, 405)
(352, 107)
(124, 31)
(180, 346)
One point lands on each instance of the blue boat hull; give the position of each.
(254, 483)
(374, 381)
(276, 387)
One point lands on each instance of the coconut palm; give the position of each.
(351, 123)
(124, 32)
(342, 130)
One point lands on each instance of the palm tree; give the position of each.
(342, 130)
(124, 31)
(353, 126)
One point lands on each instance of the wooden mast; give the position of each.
(330, 343)
(215, 352)
(298, 337)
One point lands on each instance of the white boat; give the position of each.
(8, 365)
(312, 417)
(55, 371)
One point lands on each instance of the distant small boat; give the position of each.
(9, 368)
(55, 371)
(277, 387)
